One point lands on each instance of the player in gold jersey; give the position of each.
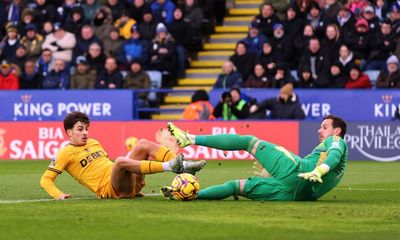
(86, 161)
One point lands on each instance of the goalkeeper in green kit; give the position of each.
(281, 175)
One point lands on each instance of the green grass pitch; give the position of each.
(366, 205)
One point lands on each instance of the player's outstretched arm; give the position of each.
(316, 174)
(47, 183)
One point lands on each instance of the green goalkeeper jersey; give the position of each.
(333, 152)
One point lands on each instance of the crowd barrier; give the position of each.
(377, 141)
(121, 105)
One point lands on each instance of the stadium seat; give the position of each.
(156, 83)
(373, 75)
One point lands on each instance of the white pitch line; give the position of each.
(69, 199)
(369, 189)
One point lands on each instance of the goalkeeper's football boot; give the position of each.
(193, 166)
(180, 135)
(166, 191)
(176, 164)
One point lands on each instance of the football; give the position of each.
(185, 187)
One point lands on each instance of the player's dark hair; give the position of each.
(74, 117)
(337, 122)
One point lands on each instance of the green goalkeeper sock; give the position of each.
(217, 192)
(225, 141)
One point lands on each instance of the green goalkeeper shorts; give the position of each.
(271, 189)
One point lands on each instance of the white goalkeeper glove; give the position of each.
(316, 174)
(260, 171)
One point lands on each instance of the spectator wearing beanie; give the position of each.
(267, 58)
(8, 78)
(133, 49)
(332, 79)
(84, 77)
(32, 41)
(254, 39)
(10, 43)
(162, 54)
(359, 41)
(283, 46)
(316, 18)
(285, 106)
(148, 26)
(345, 20)
(368, 14)
(389, 78)
(305, 78)
(75, 21)
(357, 79)
(293, 24)
(26, 18)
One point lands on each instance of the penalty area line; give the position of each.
(369, 189)
(69, 199)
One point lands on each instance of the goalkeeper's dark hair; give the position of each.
(337, 122)
(74, 117)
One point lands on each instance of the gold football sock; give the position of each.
(164, 154)
(149, 167)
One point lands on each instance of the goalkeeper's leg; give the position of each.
(217, 192)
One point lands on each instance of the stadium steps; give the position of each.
(204, 70)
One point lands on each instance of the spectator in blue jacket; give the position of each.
(163, 10)
(58, 78)
(134, 49)
(254, 40)
(229, 77)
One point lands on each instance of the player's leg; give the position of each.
(217, 192)
(145, 149)
(275, 159)
(220, 141)
(123, 169)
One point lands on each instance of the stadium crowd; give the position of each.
(102, 44)
(319, 44)
(108, 44)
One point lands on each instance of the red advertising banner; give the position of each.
(42, 140)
